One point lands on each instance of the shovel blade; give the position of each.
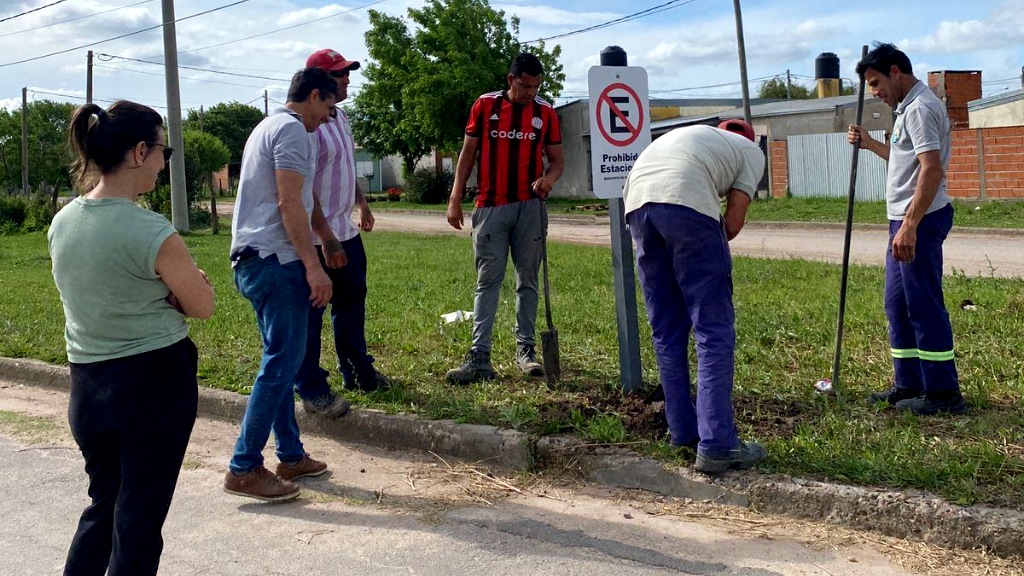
(549, 349)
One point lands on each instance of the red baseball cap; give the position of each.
(331, 61)
(740, 127)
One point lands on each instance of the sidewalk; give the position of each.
(909, 514)
(394, 512)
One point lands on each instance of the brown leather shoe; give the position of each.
(302, 469)
(260, 484)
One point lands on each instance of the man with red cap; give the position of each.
(673, 200)
(336, 192)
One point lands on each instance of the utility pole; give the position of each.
(88, 79)
(24, 141)
(179, 194)
(1022, 76)
(789, 85)
(743, 61)
(266, 105)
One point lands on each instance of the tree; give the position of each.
(205, 151)
(420, 86)
(381, 121)
(230, 122)
(776, 88)
(49, 157)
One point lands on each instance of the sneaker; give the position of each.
(526, 359)
(329, 405)
(476, 367)
(304, 468)
(742, 457)
(929, 404)
(377, 382)
(260, 484)
(894, 395)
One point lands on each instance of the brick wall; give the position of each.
(1001, 171)
(220, 179)
(779, 166)
(956, 89)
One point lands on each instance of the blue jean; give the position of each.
(686, 274)
(348, 318)
(280, 296)
(920, 334)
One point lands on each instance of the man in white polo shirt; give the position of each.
(920, 216)
(341, 252)
(673, 200)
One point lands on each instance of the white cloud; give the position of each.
(1001, 29)
(550, 16)
(10, 103)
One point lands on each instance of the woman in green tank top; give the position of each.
(127, 282)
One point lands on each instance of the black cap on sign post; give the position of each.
(613, 56)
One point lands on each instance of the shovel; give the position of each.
(549, 337)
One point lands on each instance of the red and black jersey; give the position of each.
(512, 140)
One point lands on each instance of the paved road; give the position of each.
(393, 513)
(973, 254)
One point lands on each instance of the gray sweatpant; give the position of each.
(518, 227)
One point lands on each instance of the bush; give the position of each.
(426, 186)
(394, 194)
(159, 200)
(18, 214)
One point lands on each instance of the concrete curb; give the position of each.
(911, 515)
(498, 447)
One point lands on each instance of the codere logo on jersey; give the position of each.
(513, 135)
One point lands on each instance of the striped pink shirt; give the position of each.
(335, 181)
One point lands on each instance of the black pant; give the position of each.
(132, 418)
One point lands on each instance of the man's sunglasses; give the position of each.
(340, 73)
(168, 151)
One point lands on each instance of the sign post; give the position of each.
(620, 129)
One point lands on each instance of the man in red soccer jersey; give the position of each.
(512, 130)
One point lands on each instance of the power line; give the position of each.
(289, 27)
(31, 91)
(74, 19)
(179, 77)
(634, 16)
(161, 25)
(1003, 81)
(37, 9)
(107, 57)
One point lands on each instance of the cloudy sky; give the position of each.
(691, 46)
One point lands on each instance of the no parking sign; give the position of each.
(620, 125)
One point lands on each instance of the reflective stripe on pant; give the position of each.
(920, 334)
(686, 274)
(497, 230)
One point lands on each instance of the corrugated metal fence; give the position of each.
(819, 167)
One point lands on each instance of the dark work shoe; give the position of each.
(329, 405)
(372, 384)
(742, 457)
(526, 359)
(933, 403)
(476, 367)
(894, 395)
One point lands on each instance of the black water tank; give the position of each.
(826, 65)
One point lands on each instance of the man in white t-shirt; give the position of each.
(673, 207)
(337, 193)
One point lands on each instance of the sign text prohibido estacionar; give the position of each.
(620, 125)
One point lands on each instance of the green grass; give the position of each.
(989, 214)
(785, 321)
(555, 206)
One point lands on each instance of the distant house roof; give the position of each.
(997, 100)
(687, 102)
(770, 109)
